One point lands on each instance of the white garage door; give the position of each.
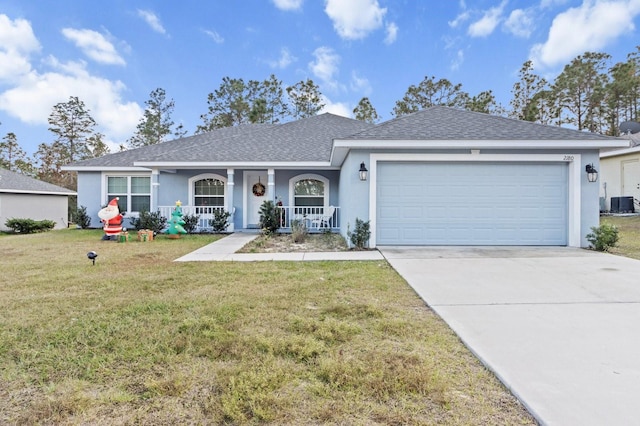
(471, 204)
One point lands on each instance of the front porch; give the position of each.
(316, 219)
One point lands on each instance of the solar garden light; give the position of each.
(92, 256)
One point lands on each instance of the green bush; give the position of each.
(360, 235)
(81, 218)
(603, 237)
(299, 231)
(220, 221)
(190, 222)
(269, 218)
(146, 220)
(29, 226)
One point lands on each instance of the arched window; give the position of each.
(207, 191)
(309, 191)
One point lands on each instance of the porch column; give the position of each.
(271, 185)
(155, 185)
(230, 189)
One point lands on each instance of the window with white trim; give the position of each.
(134, 192)
(208, 192)
(309, 193)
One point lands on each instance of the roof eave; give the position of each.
(341, 147)
(23, 191)
(105, 169)
(236, 164)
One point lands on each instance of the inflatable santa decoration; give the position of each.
(112, 219)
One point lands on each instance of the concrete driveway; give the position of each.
(559, 326)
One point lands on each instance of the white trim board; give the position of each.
(574, 179)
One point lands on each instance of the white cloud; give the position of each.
(17, 43)
(94, 45)
(355, 19)
(464, 16)
(392, 33)
(458, 60)
(214, 36)
(520, 23)
(589, 27)
(31, 101)
(325, 65)
(360, 84)
(152, 20)
(288, 4)
(488, 23)
(337, 108)
(285, 59)
(32, 93)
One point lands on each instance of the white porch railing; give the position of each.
(315, 218)
(205, 214)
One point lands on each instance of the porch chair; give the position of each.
(325, 219)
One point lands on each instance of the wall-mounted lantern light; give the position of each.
(363, 171)
(592, 173)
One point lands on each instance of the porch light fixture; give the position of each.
(363, 171)
(592, 173)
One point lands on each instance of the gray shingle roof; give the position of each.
(13, 182)
(445, 123)
(306, 140)
(311, 139)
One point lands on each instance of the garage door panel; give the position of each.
(472, 204)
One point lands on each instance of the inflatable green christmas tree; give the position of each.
(176, 222)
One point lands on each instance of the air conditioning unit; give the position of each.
(622, 205)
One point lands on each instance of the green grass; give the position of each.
(140, 339)
(629, 232)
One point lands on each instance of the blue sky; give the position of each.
(112, 54)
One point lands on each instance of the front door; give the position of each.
(256, 190)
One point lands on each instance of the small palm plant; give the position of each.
(269, 218)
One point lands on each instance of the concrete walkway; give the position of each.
(225, 249)
(560, 327)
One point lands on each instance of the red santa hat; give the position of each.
(114, 202)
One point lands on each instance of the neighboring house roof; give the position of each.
(16, 183)
(324, 140)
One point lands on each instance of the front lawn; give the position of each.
(140, 339)
(629, 231)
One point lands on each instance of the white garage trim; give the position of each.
(573, 161)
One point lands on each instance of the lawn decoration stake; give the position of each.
(112, 219)
(176, 222)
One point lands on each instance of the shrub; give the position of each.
(220, 221)
(360, 235)
(190, 222)
(269, 218)
(603, 237)
(29, 226)
(146, 220)
(81, 218)
(299, 231)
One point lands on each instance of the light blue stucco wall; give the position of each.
(354, 193)
(89, 193)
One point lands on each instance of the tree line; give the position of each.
(587, 95)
